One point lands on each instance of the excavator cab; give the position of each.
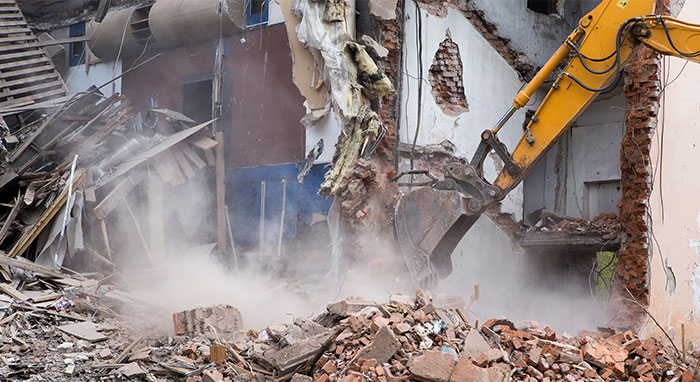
(432, 219)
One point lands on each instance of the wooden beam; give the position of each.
(10, 218)
(137, 226)
(157, 149)
(191, 155)
(221, 230)
(32, 267)
(62, 41)
(115, 197)
(182, 161)
(156, 217)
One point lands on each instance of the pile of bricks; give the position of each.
(427, 339)
(446, 79)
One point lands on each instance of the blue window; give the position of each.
(256, 13)
(77, 53)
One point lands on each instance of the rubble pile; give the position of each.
(551, 221)
(74, 331)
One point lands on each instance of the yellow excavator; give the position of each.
(432, 219)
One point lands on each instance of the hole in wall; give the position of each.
(445, 77)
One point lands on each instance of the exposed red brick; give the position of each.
(488, 30)
(445, 77)
(641, 89)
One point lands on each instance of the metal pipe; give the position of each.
(523, 97)
(284, 207)
(504, 119)
(261, 239)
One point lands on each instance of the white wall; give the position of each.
(79, 80)
(534, 34)
(327, 128)
(676, 223)
(490, 84)
(274, 15)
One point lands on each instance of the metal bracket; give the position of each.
(489, 142)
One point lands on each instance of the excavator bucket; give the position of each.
(429, 224)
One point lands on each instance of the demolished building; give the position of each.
(285, 124)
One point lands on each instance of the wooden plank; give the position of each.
(105, 237)
(11, 16)
(139, 232)
(28, 237)
(19, 29)
(159, 148)
(23, 81)
(222, 238)
(114, 198)
(203, 142)
(12, 23)
(90, 188)
(12, 56)
(62, 41)
(22, 72)
(14, 293)
(10, 218)
(30, 266)
(209, 155)
(17, 38)
(182, 162)
(31, 139)
(156, 217)
(30, 61)
(31, 99)
(28, 89)
(162, 169)
(167, 160)
(191, 155)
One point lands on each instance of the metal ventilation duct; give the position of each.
(164, 24)
(180, 22)
(123, 33)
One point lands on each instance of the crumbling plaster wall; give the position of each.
(489, 86)
(534, 34)
(674, 216)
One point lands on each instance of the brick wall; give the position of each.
(445, 77)
(642, 90)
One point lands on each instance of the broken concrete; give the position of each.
(432, 366)
(383, 346)
(289, 358)
(301, 331)
(475, 345)
(221, 320)
(349, 306)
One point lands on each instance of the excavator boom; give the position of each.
(430, 221)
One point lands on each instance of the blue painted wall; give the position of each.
(243, 199)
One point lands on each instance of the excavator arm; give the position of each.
(430, 221)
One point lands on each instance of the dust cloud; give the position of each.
(520, 288)
(267, 290)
